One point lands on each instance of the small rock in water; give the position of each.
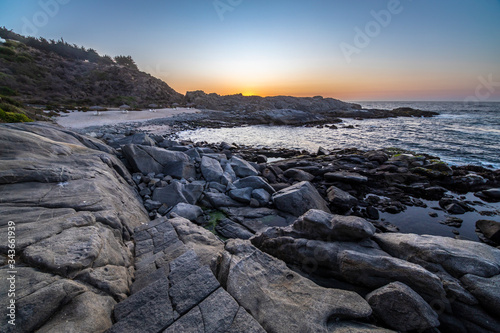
(452, 222)
(432, 214)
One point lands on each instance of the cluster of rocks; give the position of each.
(100, 249)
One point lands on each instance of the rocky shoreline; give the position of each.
(143, 233)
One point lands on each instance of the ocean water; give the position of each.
(463, 133)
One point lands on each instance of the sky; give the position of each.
(354, 50)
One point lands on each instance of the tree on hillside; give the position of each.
(126, 61)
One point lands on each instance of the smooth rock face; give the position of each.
(319, 225)
(298, 175)
(299, 198)
(457, 257)
(401, 308)
(281, 300)
(211, 169)
(254, 182)
(190, 212)
(156, 160)
(242, 168)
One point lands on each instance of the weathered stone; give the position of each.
(211, 169)
(75, 249)
(278, 294)
(152, 159)
(176, 192)
(231, 229)
(89, 312)
(457, 257)
(401, 308)
(114, 280)
(340, 199)
(299, 198)
(319, 225)
(242, 168)
(485, 290)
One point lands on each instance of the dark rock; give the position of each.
(455, 208)
(243, 195)
(298, 175)
(151, 205)
(136, 139)
(177, 192)
(262, 196)
(490, 229)
(491, 195)
(346, 177)
(211, 169)
(372, 213)
(299, 198)
(485, 290)
(452, 222)
(254, 182)
(341, 200)
(261, 159)
(190, 212)
(151, 159)
(377, 155)
(402, 309)
(242, 168)
(218, 200)
(231, 229)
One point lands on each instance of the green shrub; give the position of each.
(23, 58)
(6, 91)
(13, 117)
(7, 51)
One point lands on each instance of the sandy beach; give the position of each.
(78, 119)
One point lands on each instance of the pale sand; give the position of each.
(77, 119)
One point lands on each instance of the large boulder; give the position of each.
(319, 225)
(157, 160)
(490, 230)
(298, 175)
(485, 290)
(254, 182)
(401, 308)
(211, 169)
(190, 212)
(280, 299)
(177, 192)
(299, 198)
(136, 139)
(457, 257)
(340, 200)
(242, 168)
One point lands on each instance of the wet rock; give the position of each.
(490, 229)
(341, 200)
(279, 294)
(317, 224)
(299, 198)
(372, 213)
(455, 208)
(151, 159)
(346, 177)
(401, 308)
(451, 221)
(491, 195)
(211, 169)
(298, 175)
(242, 168)
(377, 155)
(322, 152)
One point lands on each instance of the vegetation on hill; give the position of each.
(47, 72)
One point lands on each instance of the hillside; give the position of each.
(37, 71)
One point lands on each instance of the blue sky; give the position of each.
(424, 50)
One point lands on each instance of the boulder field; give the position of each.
(157, 236)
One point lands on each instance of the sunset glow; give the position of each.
(363, 50)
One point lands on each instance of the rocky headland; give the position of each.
(141, 233)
